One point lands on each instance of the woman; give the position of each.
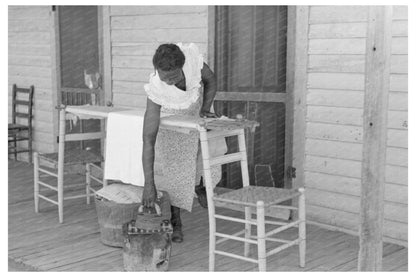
(175, 88)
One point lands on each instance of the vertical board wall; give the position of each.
(31, 40)
(335, 97)
(136, 32)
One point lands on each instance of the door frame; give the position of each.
(295, 96)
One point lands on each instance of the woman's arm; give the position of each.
(210, 89)
(150, 130)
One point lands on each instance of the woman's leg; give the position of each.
(202, 194)
(177, 235)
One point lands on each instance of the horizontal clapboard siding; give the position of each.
(30, 63)
(136, 32)
(334, 131)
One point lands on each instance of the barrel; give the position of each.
(111, 218)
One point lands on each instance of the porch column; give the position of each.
(377, 75)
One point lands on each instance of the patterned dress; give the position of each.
(178, 154)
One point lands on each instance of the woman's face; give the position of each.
(171, 77)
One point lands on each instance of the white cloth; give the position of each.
(171, 97)
(124, 146)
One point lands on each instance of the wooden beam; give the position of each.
(56, 72)
(211, 37)
(278, 97)
(107, 61)
(296, 87)
(377, 75)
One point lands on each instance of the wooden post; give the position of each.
(107, 61)
(61, 153)
(296, 90)
(377, 75)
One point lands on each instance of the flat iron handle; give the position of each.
(158, 211)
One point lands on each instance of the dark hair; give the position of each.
(168, 57)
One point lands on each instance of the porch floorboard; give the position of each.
(37, 242)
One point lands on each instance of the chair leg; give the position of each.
(88, 182)
(36, 181)
(61, 195)
(30, 148)
(261, 236)
(15, 147)
(104, 180)
(247, 231)
(302, 228)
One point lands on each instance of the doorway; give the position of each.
(80, 65)
(250, 64)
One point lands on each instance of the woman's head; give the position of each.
(168, 61)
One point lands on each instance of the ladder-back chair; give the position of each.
(21, 127)
(54, 164)
(249, 197)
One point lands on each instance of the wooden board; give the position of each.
(336, 81)
(160, 35)
(335, 115)
(351, 46)
(145, 10)
(335, 14)
(334, 132)
(337, 98)
(336, 63)
(152, 21)
(338, 30)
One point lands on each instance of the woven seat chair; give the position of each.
(249, 197)
(56, 164)
(22, 107)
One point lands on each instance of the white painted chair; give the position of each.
(53, 164)
(259, 198)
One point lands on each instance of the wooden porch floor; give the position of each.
(38, 242)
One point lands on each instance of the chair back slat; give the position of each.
(17, 102)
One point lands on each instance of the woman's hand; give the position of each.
(149, 195)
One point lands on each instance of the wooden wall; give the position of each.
(136, 32)
(30, 44)
(336, 49)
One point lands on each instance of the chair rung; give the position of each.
(228, 133)
(95, 166)
(96, 179)
(284, 207)
(284, 227)
(225, 239)
(235, 256)
(235, 238)
(284, 246)
(252, 222)
(76, 196)
(275, 222)
(22, 102)
(22, 115)
(234, 202)
(48, 186)
(18, 151)
(226, 159)
(48, 199)
(18, 139)
(274, 239)
(48, 172)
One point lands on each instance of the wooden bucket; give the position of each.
(111, 217)
(147, 250)
(148, 238)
